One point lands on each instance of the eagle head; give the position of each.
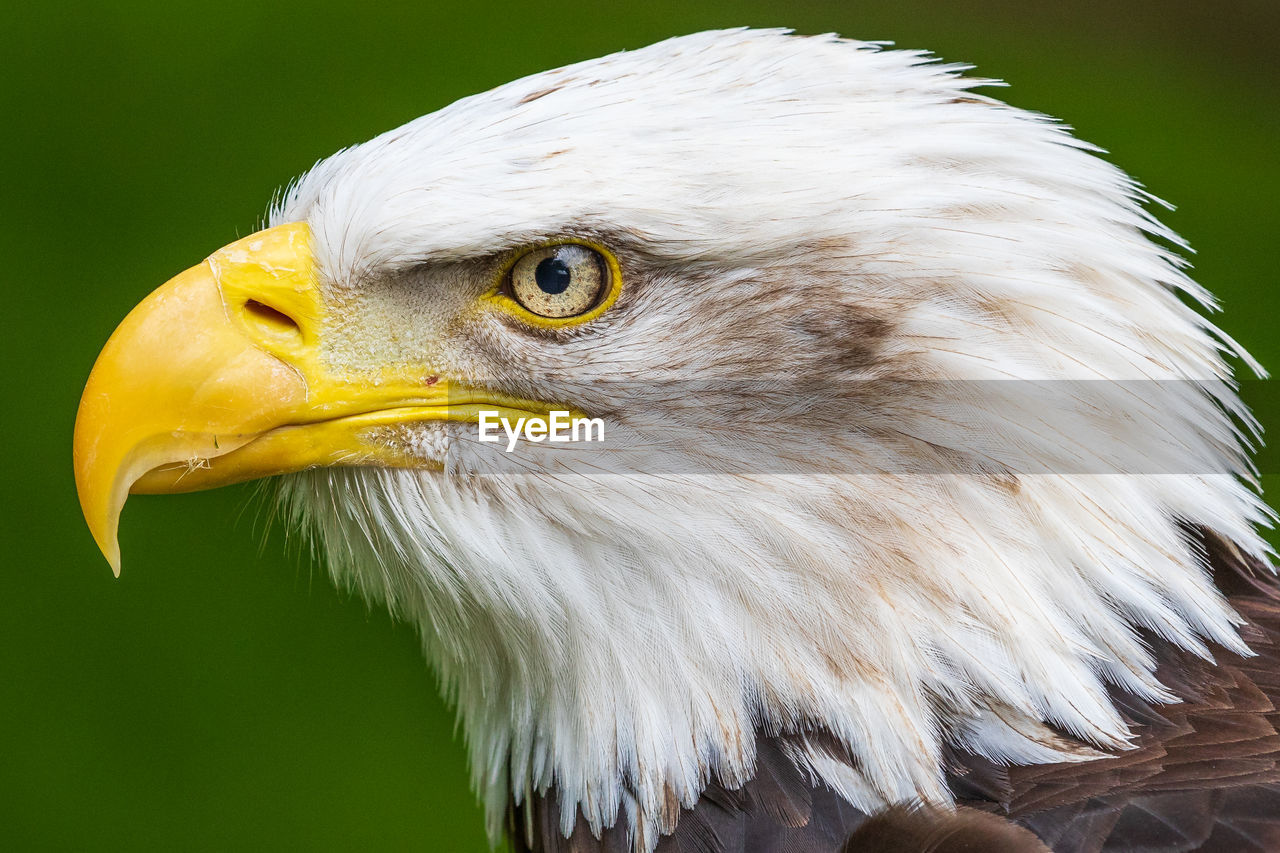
(903, 420)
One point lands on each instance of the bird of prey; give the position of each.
(922, 514)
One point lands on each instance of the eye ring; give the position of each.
(560, 284)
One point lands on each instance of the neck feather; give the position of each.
(628, 672)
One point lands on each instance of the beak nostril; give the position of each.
(270, 319)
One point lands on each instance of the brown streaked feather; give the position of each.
(1204, 776)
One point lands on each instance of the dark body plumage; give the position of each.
(1203, 777)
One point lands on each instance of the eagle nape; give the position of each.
(920, 511)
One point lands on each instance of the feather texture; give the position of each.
(1204, 775)
(889, 531)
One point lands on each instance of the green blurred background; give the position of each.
(221, 694)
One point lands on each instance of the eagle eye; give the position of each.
(559, 281)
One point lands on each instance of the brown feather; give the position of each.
(1204, 775)
(927, 831)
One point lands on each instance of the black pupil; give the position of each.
(552, 275)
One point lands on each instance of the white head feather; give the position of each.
(786, 209)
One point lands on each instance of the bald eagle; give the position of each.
(920, 511)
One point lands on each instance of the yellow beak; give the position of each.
(218, 377)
